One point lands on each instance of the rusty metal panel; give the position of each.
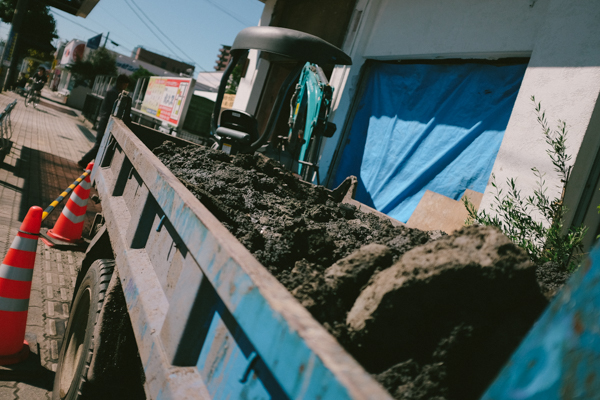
(560, 357)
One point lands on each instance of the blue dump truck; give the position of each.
(208, 320)
(168, 304)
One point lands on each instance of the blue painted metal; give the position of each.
(160, 224)
(295, 366)
(560, 357)
(236, 310)
(251, 361)
(249, 326)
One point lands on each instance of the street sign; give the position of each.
(94, 43)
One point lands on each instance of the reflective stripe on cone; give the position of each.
(69, 225)
(16, 272)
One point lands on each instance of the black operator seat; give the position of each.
(303, 47)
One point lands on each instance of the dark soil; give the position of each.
(431, 319)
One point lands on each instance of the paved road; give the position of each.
(46, 143)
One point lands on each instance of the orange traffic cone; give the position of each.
(69, 225)
(16, 272)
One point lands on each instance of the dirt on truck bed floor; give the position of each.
(430, 316)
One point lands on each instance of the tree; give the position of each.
(537, 223)
(141, 72)
(234, 79)
(38, 29)
(35, 57)
(98, 62)
(104, 62)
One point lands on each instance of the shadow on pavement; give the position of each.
(38, 376)
(45, 177)
(58, 108)
(45, 112)
(87, 133)
(6, 147)
(29, 371)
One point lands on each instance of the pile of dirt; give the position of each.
(451, 311)
(431, 319)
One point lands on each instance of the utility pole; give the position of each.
(11, 49)
(106, 39)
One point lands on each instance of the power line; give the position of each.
(228, 13)
(119, 21)
(144, 22)
(216, 80)
(94, 32)
(160, 30)
(119, 37)
(166, 37)
(76, 23)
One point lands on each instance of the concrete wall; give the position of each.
(250, 87)
(564, 75)
(459, 28)
(562, 38)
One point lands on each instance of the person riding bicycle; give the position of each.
(39, 80)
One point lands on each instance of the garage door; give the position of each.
(422, 127)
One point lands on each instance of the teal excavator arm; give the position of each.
(310, 108)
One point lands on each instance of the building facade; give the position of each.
(175, 66)
(504, 52)
(223, 58)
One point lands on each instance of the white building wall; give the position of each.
(561, 36)
(250, 87)
(458, 28)
(564, 74)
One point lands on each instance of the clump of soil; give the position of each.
(452, 309)
(431, 319)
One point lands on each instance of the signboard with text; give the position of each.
(73, 52)
(167, 98)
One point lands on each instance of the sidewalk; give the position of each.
(46, 143)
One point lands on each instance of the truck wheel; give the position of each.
(70, 382)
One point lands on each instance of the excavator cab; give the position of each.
(235, 131)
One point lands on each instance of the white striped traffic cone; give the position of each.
(69, 225)
(16, 272)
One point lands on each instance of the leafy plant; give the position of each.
(536, 223)
(141, 72)
(234, 79)
(38, 29)
(98, 62)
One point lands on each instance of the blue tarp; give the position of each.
(427, 126)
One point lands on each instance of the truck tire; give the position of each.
(70, 382)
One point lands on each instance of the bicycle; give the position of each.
(33, 96)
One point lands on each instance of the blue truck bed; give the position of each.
(209, 320)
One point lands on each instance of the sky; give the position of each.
(197, 28)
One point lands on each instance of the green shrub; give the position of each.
(536, 223)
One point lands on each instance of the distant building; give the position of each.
(128, 65)
(175, 66)
(223, 58)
